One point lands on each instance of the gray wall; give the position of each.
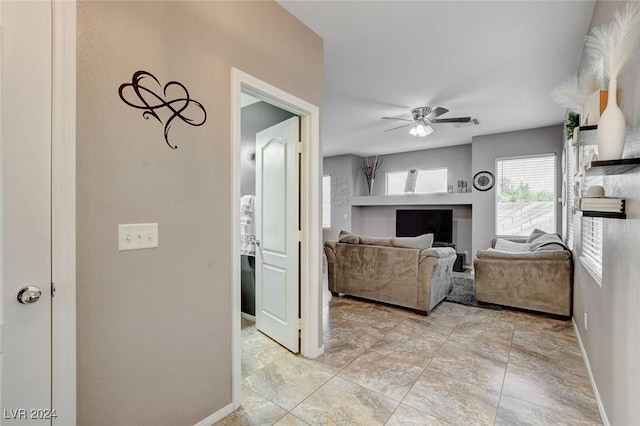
(485, 150)
(346, 182)
(154, 326)
(457, 159)
(381, 220)
(612, 341)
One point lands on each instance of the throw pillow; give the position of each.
(536, 233)
(348, 238)
(420, 242)
(510, 246)
(376, 241)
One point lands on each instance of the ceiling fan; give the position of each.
(424, 117)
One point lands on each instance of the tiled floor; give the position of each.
(459, 365)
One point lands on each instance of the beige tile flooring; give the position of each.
(382, 365)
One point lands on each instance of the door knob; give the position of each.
(29, 294)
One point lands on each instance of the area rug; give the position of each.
(463, 292)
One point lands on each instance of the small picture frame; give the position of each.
(410, 183)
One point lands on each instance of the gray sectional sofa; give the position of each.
(537, 277)
(401, 271)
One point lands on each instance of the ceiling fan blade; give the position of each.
(437, 112)
(399, 127)
(395, 118)
(452, 120)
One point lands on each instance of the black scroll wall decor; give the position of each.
(146, 93)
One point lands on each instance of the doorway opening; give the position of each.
(287, 118)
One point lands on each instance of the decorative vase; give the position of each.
(370, 185)
(611, 127)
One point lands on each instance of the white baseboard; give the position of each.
(603, 413)
(217, 416)
(247, 316)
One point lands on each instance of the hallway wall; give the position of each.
(153, 326)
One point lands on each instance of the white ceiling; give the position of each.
(494, 61)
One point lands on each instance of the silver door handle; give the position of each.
(29, 294)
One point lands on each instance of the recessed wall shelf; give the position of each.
(586, 135)
(607, 215)
(612, 167)
(443, 199)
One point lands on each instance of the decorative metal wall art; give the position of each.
(154, 100)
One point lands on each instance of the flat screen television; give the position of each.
(411, 223)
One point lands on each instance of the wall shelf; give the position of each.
(586, 135)
(612, 167)
(440, 199)
(607, 215)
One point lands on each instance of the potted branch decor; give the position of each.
(370, 168)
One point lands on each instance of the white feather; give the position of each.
(610, 46)
(573, 93)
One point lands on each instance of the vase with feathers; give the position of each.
(610, 47)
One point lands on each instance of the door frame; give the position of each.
(310, 183)
(63, 211)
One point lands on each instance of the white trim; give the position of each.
(603, 413)
(311, 212)
(218, 415)
(63, 222)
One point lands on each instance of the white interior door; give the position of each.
(25, 208)
(276, 219)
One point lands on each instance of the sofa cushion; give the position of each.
(510, 246)
(420, 242)
(375, 241)
(531, 255)
(348, 238)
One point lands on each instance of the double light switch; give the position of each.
(137, 236)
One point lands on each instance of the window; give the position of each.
(591, 256)
(326, 201)
(525, 194)
(427, 182)
(570, 190)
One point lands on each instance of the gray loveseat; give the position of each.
(537, 278)
(376, 269)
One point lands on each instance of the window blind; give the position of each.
(525, 194)
(591, 254)
(571, 197)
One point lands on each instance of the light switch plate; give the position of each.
(137, 236)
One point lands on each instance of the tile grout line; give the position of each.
(504, 377)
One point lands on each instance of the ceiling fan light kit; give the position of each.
(423, 117)
(421, 130)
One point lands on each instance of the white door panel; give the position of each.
(25, 205)
(276, 218)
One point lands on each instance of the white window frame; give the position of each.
(446, 185)
(554, 197)
(326, 201)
